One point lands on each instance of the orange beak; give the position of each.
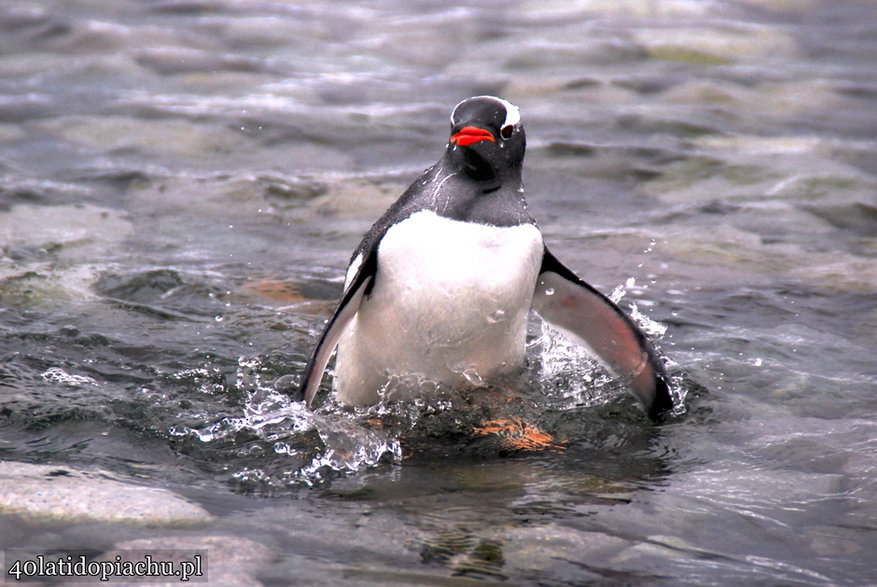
(469, 135)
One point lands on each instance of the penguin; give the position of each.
(441, 287)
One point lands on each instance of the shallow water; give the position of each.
(181, 185)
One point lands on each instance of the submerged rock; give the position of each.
(158, 138)
(80, 230)
(716, 46)
(63, 494)
(42, 249)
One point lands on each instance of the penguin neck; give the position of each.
(486, 177)
(494, 200)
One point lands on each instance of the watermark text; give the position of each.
(128, 566)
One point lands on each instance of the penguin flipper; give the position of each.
(359, 286)
(593, 320)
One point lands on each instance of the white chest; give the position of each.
(450, 301)
(438, 259)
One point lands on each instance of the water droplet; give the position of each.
(473, 377)
(496, 316)
(549, 291)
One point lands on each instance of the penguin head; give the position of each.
(487, 138)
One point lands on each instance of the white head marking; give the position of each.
(512, 114)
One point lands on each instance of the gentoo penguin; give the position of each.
(440, 288)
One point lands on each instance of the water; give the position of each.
(181, 184)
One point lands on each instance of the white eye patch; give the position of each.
(513, 115)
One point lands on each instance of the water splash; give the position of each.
(652, 328)
(280, 443)
(573, 377)
(306, 445)
(349, 447)
(621, 289)
(566, 373)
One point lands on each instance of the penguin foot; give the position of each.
(517, 435)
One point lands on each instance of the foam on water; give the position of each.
(62, 377)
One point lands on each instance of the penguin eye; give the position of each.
(506, 131)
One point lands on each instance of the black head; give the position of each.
(487, 138)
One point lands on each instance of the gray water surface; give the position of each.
(182, 183)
